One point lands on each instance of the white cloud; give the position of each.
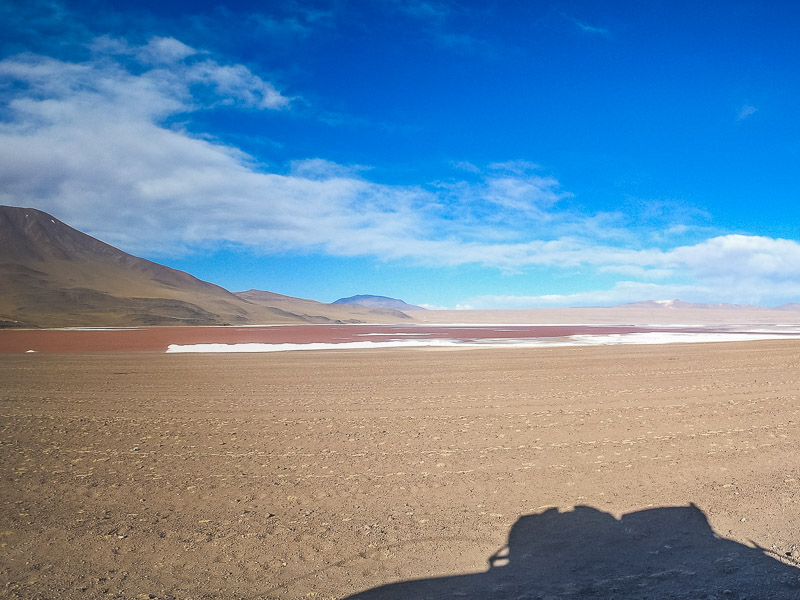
(319, 169)
(637, 271)
(433, 307)
(236, 84)
(678, 229)
(87, 141)
(530, 194)
(740, 257)
(515, 167)
(733, 268)
(161, 50)
(157, 51)
(463, 165)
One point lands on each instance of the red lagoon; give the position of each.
(157, 339)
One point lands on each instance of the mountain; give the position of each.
(377, 302)
(346, 313)
(788, 306)
(54, 276)
(680, 304)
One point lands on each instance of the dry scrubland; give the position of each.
(322, 474)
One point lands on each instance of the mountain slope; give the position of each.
(370, 301)
(681, 305)
(341, 312)
(788, 306)
(53, 276)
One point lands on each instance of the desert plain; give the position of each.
(664, 471)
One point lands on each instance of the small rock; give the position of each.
(136, 448)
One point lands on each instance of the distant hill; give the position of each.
(680, 304)
(346, 313)
(377, 302)
(788, 306)
(55, 276)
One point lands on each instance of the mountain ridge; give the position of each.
(372, 301)
(55, 276)
(680, 304)
(349, 311)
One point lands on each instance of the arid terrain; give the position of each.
(584, 472)
(56, 276)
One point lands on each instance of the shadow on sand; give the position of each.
(586, 553)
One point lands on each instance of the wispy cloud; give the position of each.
(291, 19)
(423, 9)
(450, 25)
(181, 71)
(746, 111)
(591, 29)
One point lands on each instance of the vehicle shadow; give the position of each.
(653, 554)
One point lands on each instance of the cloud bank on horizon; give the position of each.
(128, 138)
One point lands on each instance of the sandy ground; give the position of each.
(613, 472)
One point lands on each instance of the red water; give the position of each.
(156, 339)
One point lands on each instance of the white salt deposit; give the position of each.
(256, 347)
(394, 334)
(665, 337)
(575, 340)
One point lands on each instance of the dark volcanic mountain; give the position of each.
(53, 276)
(377, 302)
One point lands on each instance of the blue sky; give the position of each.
(453, 154)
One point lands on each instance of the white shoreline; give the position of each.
(643, 338)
